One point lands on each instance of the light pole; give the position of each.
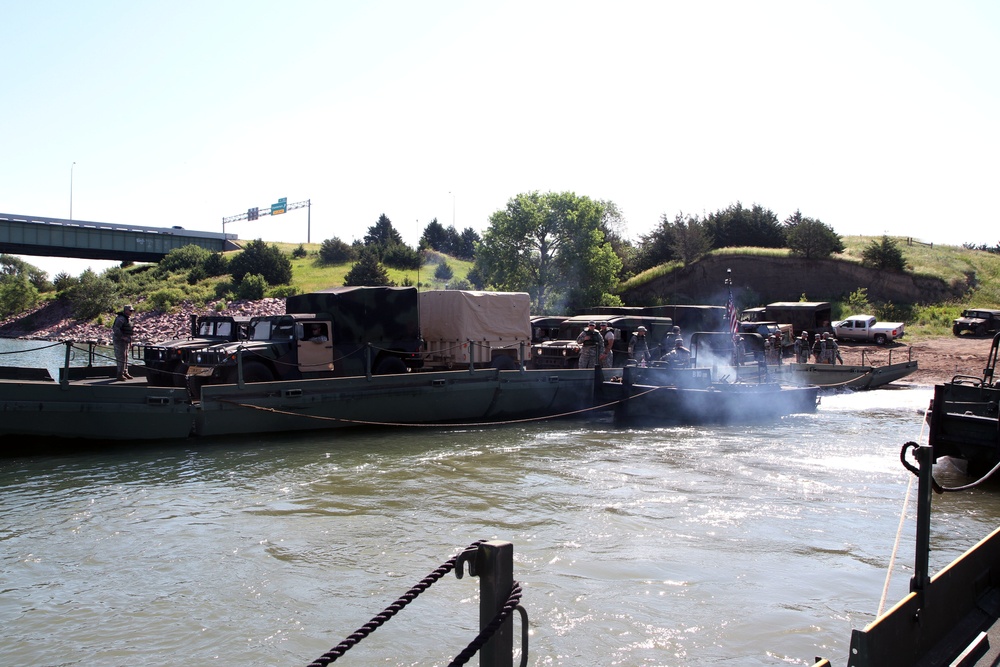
(452, 208)
(71, 190)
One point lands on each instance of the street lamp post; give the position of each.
(71, 190)
(452, 208)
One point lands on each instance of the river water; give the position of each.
(759, 545)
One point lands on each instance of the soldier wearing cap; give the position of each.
(121, 336)
(592, 343)
(638, 346)
(680, 356)
(802, 348)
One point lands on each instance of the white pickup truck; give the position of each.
(865, 328)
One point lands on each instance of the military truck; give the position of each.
(810, 316)
(565, 352)
(466, 328)
(977, 322)
(339, 332)
(166, 362)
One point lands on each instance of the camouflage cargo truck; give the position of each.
(166, 362)
(340, 332)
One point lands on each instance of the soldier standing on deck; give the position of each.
(593, 345)
(638, 346)
(608, 357)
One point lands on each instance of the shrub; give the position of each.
(402, 256)
(91, 296)
(252, 287)
(165, 299)
(444, 271)
(299, 252)
(224, 290)
(17, 295)
(335, 251)
(196, 275)
(216, 264)
(187, 257)
(282, 291)
(259, 258)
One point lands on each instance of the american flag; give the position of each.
(731, 313)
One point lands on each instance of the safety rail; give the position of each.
(499, 597)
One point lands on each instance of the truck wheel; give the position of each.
(390, 366)
(956, 330)
(254, 371)
(880, 339)
(504, 363)
(981, 330)
(179, 377)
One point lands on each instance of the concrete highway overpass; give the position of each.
(56, 237)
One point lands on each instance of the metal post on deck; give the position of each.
(64, 380)
(495, 566)
(239, 367)
(921, 562)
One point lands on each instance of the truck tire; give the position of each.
(504, 363)
(179, 377)
(880, 339)
(957, 330)
(981, 330)
(390, 366)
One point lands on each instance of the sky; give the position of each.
(873, 117)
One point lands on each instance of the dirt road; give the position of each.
(939, 359)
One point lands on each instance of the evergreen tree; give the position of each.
(367, 271)
(884, 254)
(263, 259)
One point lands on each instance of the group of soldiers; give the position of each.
(824, 349)
(597, 347)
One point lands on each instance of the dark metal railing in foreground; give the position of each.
(499, 597)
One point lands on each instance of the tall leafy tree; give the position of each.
(551, 246)
(467, 240)
(656, 247)
(810, 238)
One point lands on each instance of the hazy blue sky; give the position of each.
(875, 117)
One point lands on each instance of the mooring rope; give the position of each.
(603, 406)
(379, 619)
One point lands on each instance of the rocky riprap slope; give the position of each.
(54, 321)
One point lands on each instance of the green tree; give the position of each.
(402, 256)
(263, 259)
(657, 247)
(737, 226)
(92, 296)
(551, 246)
(17, 295)
(884, 254)
(467, 240)
(367, 271)
(811, 238)
(691, 239)
(184, 258)
(335, 251)
(382, 234)
(444, 271)
(435, 237)
(216, 264)
(252, 287)
(15, 266)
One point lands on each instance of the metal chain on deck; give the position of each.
(379, 619)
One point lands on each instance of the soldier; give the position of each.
(667, 342)
(739, 350)
(608, 357)
(593, 346)
(680, 357)
(834, 348)
(121, 335)
(802, 348)
(827, 349)
(638, 346)
(819, 349)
